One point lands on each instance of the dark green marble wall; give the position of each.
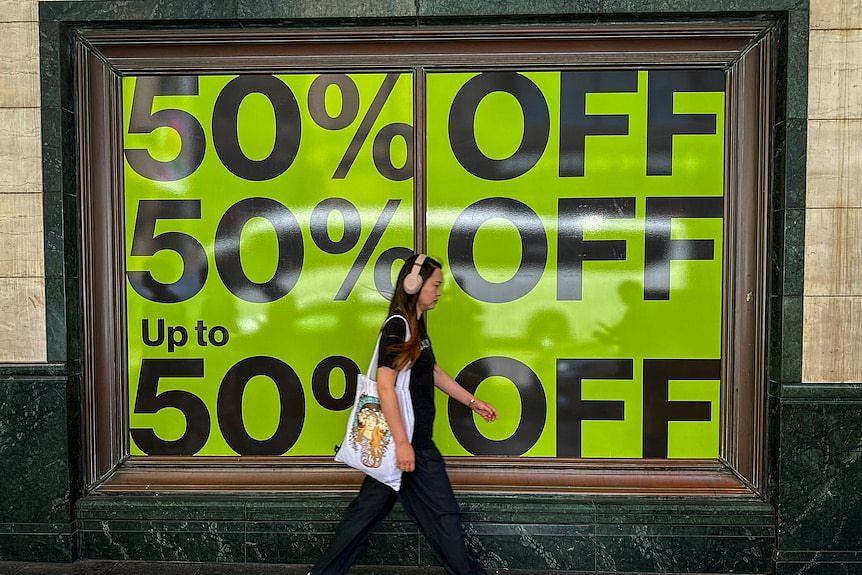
(35, 507)
(525, 532)
(808, 523)
(820, 480)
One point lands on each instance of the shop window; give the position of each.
(596, 194)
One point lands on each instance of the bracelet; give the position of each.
(472, 401)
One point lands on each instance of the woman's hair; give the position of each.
(404, 304)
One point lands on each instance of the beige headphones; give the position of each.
(413, 281)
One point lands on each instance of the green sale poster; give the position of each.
(578, 215)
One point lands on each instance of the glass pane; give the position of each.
(580, 215)
(265, 217)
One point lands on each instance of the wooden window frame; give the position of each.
(745, 50)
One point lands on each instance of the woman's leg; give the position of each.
(370, 506)
(426, 495)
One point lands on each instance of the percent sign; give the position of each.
(381, 148)
(350, 238)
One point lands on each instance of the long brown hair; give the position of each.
(404, 304)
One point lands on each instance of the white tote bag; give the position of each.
(368, 445)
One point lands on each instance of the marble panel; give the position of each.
(776, 252)
(19, 10)
(834, 164)
(22, 319)
(833, 252)
(832, 14)
(302, 525)
(795, 101)
(773, 444)
(641, 552)
(314, 509)
(384, 548)
(93, 512)
(696, 5)
(669, 530)
(500, 547)
(832, 329)
(533, 509)
(164, 526)
(71, 238)
(495, 8)
(388, 548)
(99, 10)
(774, 337)
(793, 262)
(19, 64)
(221, 569)
(815, 567)
(680, 516)
(74, 417)
(154, 545)
(35, 547)
(811, 392)
(835, 74)
(790, 160)
(66, 64)
(53, 242)
(285, 547)
(49, 64)
(791, 338)
(331, 9)
(297, 528)
(51, 150)
(56, 319)
(20, 157)
(819, 556)
(820, 503)
(21, 242)
(31, 370)
(34, 451)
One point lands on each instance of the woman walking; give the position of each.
(425, 494)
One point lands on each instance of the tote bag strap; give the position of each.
(373, 365)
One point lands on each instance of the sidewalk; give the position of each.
(90, 567)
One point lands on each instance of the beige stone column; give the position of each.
(22, 270)
(832, 315)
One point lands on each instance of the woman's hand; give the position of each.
(405, 459)
(454, 390)
(485, 410)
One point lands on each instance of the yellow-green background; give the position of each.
(306, 325)
(611, 321)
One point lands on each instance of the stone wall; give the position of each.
(815, 370)
(832, 324)
(820, 443)
(22, 269)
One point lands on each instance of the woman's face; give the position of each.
(430, 292)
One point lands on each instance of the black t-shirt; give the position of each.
(421, 377)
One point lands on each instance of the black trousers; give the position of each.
(426, 496)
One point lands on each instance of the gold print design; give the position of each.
(369, 432)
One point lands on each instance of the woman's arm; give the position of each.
(404, 456)
(454, 390)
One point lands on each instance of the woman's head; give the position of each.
(411, 306)
(425, 298)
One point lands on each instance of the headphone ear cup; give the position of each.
(412, 283)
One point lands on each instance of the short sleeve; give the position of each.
(394, 332)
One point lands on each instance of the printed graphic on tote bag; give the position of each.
(370, 433)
